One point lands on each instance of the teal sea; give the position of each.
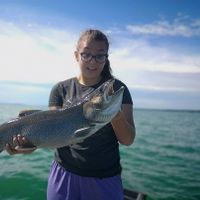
(163, 162)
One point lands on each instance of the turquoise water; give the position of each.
(163, 162)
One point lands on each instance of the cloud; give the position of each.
(143, 65)
(151, 58)
(144, 98)
(182, 26)
(24, 93)
(141, 55)
(41, 54)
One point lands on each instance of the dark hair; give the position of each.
(97, 35)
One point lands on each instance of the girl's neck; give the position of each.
(88, 82)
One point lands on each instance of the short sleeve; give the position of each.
(55, 98)
(127, 99)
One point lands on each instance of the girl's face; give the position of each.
(91, 67)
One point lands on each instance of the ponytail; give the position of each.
(107, 71)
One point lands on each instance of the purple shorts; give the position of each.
(64, 185)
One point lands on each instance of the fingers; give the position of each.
(21, 141)
(10, 150)
(20, 145)
(18, 141)
(13, 151)
(26, 150)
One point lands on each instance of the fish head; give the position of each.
(104, 105)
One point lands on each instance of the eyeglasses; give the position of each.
(99, 58)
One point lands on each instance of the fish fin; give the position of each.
(79, 136)
(77, 146)
(82, 131)
(27, 112)
(77, 155)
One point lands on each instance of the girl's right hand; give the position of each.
(20, 145)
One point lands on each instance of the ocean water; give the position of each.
(163, 162)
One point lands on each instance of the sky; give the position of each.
(154, 48)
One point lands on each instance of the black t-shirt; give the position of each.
(101, 150)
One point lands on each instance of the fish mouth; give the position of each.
(109, 96)
(103, 93)
(109, 91)
(105, 104)
(106, 89)
(113, 99)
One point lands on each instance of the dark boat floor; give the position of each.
(133, 195)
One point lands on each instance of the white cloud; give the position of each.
(181, 26)
(140, 55)
(24, 93)
(42, 55)
(140, 64)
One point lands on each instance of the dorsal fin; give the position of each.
(27, 112)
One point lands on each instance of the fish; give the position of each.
(68, 126)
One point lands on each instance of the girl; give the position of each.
(94, 171)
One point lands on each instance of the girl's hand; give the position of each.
(123, 125)
(20, 145)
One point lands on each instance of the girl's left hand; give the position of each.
(20, 145)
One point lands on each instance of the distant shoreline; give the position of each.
(168, 109)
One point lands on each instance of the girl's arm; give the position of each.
(123, 125)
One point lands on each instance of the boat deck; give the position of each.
(133, 195)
